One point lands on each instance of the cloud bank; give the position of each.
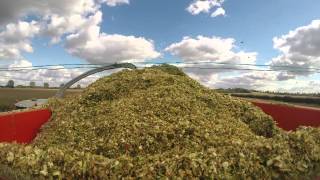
(206, 6)
(299, 48)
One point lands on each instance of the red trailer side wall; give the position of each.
(291, 117)
(22, 127)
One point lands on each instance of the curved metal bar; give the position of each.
(61, 91)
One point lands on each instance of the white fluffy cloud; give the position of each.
(79, 21)
(250, 80)
(54, 18)
(299, 48)
(300, 86)
(283, 76)
(216, 55)
(303, 40)
(106, 48)
(221, 59)
(259, 80)
(53, 77)
(57, 17)
(12, 10)
(96, 47)
(205, 6)
(59, 24)
(115, 2)
(14, 39)
(210, 49)
(20, 63)
(219, 12)
(266, 81)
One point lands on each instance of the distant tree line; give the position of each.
(242, 90)
(10, 84)
(286, 98)
(234, 90)
(295, 94)
(32, 84)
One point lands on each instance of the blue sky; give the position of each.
(254, 22)
(81, 31)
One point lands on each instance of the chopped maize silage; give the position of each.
(157, 122)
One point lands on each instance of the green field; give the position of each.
(9, 96)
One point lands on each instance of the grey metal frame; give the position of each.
(60, 93)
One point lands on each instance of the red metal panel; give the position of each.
(291, 117)
(22, 127)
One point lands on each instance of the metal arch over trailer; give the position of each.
(61, 91)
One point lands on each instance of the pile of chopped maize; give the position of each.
(159, 123)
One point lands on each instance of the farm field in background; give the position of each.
(300, 100)
(296, 99)
(9, 96)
